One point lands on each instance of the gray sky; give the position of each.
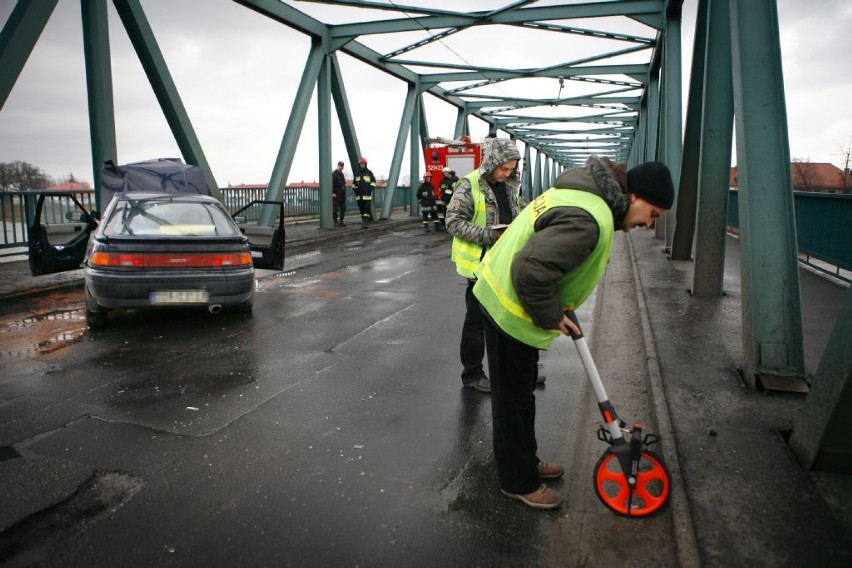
(238, 71)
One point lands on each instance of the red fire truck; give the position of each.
(461, 156)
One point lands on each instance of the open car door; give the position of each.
(59, 233)
(267, 243)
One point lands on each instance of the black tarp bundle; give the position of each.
(168, 175)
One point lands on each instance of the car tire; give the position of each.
(96, 316)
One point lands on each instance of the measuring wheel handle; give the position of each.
(629, 479)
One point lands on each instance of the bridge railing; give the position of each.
(823, 229)
(303, 202)
(824, 220)
(18, 207)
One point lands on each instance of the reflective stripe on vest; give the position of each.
(466, 254)
(495, 290)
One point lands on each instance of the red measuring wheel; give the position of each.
(648, 496)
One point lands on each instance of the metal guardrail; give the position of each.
(18, 207)
(824, 220)
(303, 202)
(823, 229)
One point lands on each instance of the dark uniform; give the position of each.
(338, 196)
(428, 206)
(363, 185)
(446, 193)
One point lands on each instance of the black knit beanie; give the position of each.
(652, 181)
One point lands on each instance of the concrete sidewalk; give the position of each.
(749, 501)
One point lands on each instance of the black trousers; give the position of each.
(472, 347)
(365, 206)
(512, 366)
(338, 206)
(427, 213)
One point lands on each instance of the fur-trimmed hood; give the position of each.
(596, 177)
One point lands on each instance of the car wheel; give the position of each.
(96, 316)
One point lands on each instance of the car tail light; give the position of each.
(123, 260)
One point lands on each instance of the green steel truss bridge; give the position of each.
(600, 77)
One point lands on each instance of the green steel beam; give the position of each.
(647, 11)
(324, 138)
(287, 15)
(565, 71)
(17, 39)
(771, 305)
(537, 182)
(424, 124)
(99, 88)
(577, 62)
(587, 32)
(820, 438)
(415, 143)
(416, 45)
(687, 196)
(628, 85)
(526, 175)
(140, 34)
(461, 128)
(714, 163)
(653, 125)
(399, 149)
(344, 115)
(284, 160)
(673, 123)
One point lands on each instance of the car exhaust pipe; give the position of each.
(214, 308)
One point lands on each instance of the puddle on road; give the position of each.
(37, 334)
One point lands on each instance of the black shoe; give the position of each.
(482, 384)
(341, 224)
(539, 380)
(426, 228)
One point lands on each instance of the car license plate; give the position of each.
(178, 296)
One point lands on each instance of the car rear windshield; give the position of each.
(167, 217)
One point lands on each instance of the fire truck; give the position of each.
(461, 156)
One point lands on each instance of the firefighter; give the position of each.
(428, 207)
(363, 185)
(446, 189)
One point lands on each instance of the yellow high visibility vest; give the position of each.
(494, 288)
(466, 254)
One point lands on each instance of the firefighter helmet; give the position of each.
(446, 170)
(362, 160)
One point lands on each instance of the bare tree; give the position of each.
(846, 154)
(21, 176)
(804, 174)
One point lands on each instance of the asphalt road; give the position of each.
(328, 428)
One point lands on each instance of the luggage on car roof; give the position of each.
(169, 175)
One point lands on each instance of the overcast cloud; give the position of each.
(238, 71)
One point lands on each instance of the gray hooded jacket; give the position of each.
(497, 151)
(563, 238)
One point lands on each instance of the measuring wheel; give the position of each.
(650, 493)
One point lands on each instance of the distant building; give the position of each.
(818, 177)
(69, 186)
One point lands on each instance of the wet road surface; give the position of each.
(328, 428)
